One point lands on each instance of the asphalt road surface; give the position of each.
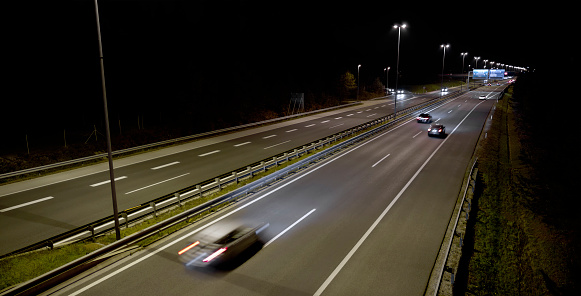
(368, 221)
(39, 211)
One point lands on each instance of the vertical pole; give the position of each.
(111, 173)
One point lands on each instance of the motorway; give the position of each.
(39, 211)
(367, 221)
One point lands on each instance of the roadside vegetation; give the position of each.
(526, 232)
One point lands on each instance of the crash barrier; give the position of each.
(175, 199)
(164, 143)
(217, 183)
(447, 272)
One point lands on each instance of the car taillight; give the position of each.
(188, 247)
(215, 254)
(429, 129)
(440, 130)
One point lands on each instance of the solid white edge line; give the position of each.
(288, 228)
(26, 204)
(376, 222)
(165, 165)
(108, 181)
(153, 252)
(156, 183)
(380, 160)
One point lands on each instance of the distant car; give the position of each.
(424, 117)
(482, 97)
(437, 130)
(219, 247)
(444, 89)
(489, 84)
(400, 91)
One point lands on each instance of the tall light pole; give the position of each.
(359, 66)
(476, 62)
(444, 46)
(464, 54)
(398, 27)
(111, 174)
(387, 80)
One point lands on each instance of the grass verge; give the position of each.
(522, 243)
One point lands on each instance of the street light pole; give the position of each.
(444, 46)
(359, 66)
(398, 27)
(108, 134)
(387, 80)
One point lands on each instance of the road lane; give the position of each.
(348, 195)
(75, 203)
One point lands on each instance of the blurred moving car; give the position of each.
(437, 130)
(220, 246)
(424, 117)
(482, 97)
(444, 89)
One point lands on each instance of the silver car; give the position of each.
(220, 245)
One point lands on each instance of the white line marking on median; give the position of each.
(325, 121)
(372, 227)
(241, 144)
(26, 204)
(380, 160)
(310, 125)
(165, 165)
(338, 117)
(288, 228)
(372, 115)
(417, 135)
(108, 181)
(277, 144)
(450, 111)
(269, 136)
(156, 183)
(211, 152)
(336, 125)
(290, 131)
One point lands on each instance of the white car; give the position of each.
(482, 97)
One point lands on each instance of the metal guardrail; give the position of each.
(144, 209)
(471, 184)
(232, 196)
(166, 142)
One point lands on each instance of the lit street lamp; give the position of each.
(444, 46)
(398, 27)
(387, 80)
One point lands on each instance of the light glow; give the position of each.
(188, 247)
(215, 254)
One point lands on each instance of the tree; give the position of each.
(346, 85)
(377, 87)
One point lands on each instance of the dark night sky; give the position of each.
(176, 56)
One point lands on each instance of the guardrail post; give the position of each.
(178, 197)
(235, 175)
(275, 161)
(49, 244)
(262, 164)
(91, 228)
(124, 216)
(217, 180)
(249, 169)
(199, 188)
(152, 205)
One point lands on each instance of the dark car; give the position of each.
(424, 117)
(220, 246)
(437, 130)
